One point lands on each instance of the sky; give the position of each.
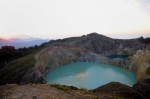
(57, 19)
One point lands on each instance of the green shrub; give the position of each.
(61, 87)
(83, 89)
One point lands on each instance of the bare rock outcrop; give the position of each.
(90, 48)
(140, 63)
(52, 57)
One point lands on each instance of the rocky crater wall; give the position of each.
(52, 57)
(64, 54)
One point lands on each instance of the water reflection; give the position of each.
(89, 75)
(81, 75)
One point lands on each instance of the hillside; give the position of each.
(101, 44)
(92, 47)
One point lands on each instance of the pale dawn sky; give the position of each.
(66, 18)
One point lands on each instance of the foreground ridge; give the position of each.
(113, 90)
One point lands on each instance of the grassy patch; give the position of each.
(15, 70)
(64, 87)
(83, 89)
(61, 87)
(68, 88)
(11, 85)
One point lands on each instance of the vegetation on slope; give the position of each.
(10, 53)
(20, 64)
(145, 40)
(14, 71)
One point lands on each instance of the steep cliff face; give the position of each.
(120, 62)
(64, 54)
(140, 62)
(58, 55)
(52, 57)
(90, 48)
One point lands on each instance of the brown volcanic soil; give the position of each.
(112, 90)
(42, 91)
(46, 91)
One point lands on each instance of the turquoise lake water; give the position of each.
(89, 75)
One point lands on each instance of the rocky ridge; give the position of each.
(113, 90)
(90, 48)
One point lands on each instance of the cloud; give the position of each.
(148, 5)
(136, 2)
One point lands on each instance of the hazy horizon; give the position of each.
(58, 19)
(114, 36)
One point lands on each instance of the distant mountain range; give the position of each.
(20, 43)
